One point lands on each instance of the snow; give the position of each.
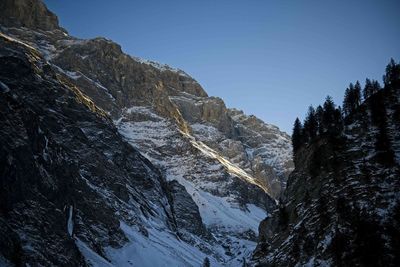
(205, 132)
(45, 149)
(160, 248)
(91, 257)
(48, 50)
(4, 88)
(70, 222)
(275, 146)
(310, 263)
(160, 66)
(71, 42)
(231, 167)
(326, 241)
(77, 75)
(154, 130)
(205, 177)
(143, 110)
(15, 40)
(223, 212)
(71, 74)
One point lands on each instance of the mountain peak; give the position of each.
(28, 13)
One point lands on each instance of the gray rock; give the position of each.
(27, 13)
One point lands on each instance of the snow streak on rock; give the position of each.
(232, 168)
(70, 222)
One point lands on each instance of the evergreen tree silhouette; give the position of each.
(370, 88)
(352, 98)
(297, 136)
(310, 124)
(328, 116)
(357, 95)
(318, 116)
(392, 76)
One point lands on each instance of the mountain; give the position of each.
(342, 202)
(112, 160)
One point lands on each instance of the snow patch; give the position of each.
(160, 66)
(4, 88)
(160, 248)
(223, 212)
(70, 222)
(91, 257)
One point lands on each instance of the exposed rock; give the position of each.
(186, 212)
(194, 141)
(27, 13)
(58, 152)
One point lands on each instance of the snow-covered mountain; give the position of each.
(133, 164)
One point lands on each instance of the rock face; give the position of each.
(80, 121)
(187, 213)
(27, 13)
(342, 202)
(67, 176)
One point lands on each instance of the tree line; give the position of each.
(329, 119)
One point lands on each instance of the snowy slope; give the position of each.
(188, 136)
(205, 179)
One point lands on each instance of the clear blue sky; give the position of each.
(269, 58)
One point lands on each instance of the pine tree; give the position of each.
(371, 87)
(297, 136)
(329, 113)
(357, 95)
(347, 101)
(338, 120)
(367, 92)
(310, 124)
(352, 98)
(376, 86)
(392, 76)
(368, 89)
(318, 115)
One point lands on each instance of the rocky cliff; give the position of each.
(80, 115)
(28, 13)
(67, 175)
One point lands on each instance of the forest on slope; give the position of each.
(342, 203)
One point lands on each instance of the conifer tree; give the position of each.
(318, 115)
(357, 95)
(352, 98)
(338, 121)
(310, 124)
(367, 92)
(297, 136)
(347, 100)
(392, 76)
(376, 86)
(368, 89)
(329, 113)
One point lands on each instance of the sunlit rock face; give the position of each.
(139, 146)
